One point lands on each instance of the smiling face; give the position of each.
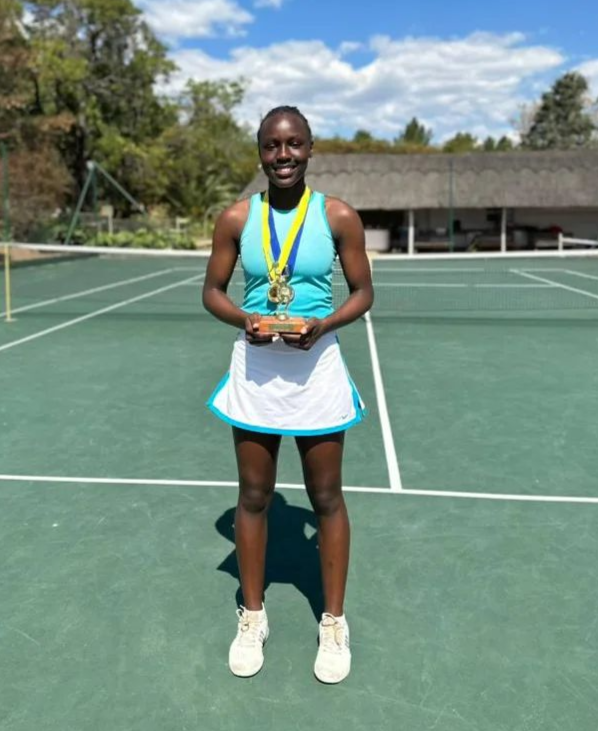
(285, 148)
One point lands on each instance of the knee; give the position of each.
(326, 497)
(254, 496)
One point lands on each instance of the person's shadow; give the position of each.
(291, 556)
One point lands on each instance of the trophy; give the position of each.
(281, 294)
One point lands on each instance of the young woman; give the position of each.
(284, 383)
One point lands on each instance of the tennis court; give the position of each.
(472, 489)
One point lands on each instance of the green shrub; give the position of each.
(143, 238)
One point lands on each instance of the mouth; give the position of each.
(284, 171)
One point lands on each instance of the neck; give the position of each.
(286, 198)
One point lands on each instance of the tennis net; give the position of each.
(68, 280)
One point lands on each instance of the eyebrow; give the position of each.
(273, 137)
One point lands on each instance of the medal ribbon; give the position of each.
(270, 243)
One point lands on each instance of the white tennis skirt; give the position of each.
(277, 389)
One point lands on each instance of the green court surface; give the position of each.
(472, 489)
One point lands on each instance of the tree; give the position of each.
(489, 144)
(15, 90)
(97, 63)
(415, 134)
(461, 142)
(562, 120)
(504, 144)
(524, 119)
(210, 157)
(38, 180)
(363, 137)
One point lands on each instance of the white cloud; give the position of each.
(268, 4)
(180, 19)
(590, 71)
(475, 83)
(347, 47)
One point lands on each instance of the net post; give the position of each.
(561, 242)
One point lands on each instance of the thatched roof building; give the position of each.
(559, 179)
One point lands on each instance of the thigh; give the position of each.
(257, 456)
(321, 458)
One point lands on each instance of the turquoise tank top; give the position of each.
(311, 277)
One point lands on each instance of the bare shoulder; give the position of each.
(233, 219)
(341, 215)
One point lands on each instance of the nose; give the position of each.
(284, 152)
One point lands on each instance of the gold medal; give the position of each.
(276, 268)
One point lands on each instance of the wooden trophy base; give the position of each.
(270, 324)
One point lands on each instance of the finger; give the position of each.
(259, 339)
(309, 326)
(291, 339)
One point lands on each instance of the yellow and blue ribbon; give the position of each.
(277, 258)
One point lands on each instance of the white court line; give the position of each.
(392, 461)
(461, 285)
(522, 273)
(514, 286)
(189, 269)
(581, 274)
(424, 270)
(295, 486)
(84, 292)
(162, 483)
(541, 269)
(503, 496)
(398, 285)
(96, 313)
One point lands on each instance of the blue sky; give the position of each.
(457, 66)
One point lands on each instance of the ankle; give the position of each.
(255, 607)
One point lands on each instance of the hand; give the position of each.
(310, 334)
(252, 334)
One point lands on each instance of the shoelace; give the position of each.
(332, 635)
(249, 629)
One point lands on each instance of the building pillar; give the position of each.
(503, 230)
(411, 239)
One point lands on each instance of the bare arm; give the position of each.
(349, 235)
(221, 265)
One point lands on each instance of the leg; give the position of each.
(257, 455)
(321, 458)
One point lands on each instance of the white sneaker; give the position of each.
(333, 662)
(246, 654)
